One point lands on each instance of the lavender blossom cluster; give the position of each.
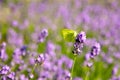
(49, 66)
(79, 41)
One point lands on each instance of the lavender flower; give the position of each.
(31, 76)
(23, 50)
(87, 57)
(3, 54)
(43, 34)
(45, 75)
(5, 69)
(11, 76)
(67, 78)
(31, 61)
(81, 37)
(115, 70)
(95, 50)
(40, 59)
(79, 41)
(17, 56)
(23, 77)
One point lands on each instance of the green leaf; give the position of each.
(69, 35)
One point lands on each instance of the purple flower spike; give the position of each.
(95, 50)
(79, 41)
(23, 50)
(43, 35)
(40, 59)
(81, 37)
(3, 54)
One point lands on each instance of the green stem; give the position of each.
(33, 68)
(32, 71)
(86, 78)
(87, 74)
(73, 67)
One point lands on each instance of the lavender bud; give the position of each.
(43, 35)
(3, 45)
(81, 37)
(40, 59)
(23, 50)
(89, 64)
(31, 76)
(115, 70)
(87, 57)
(95, 50)
(23, 77)
(3, 54)
(67, 78)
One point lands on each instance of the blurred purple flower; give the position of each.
(43, 34)
(14, 39)
(22, 77)
(50, 49)
(32, 61)
(95, 50)
(11, 76)
(115, 70)
(3, 54)
(87, 57)
(15, 23)
(5, 69)
(40, 59)
(23, 50)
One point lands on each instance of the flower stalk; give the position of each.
(73, 67)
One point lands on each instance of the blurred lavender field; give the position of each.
(32, 46)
